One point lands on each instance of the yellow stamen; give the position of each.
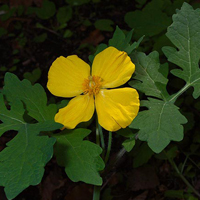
(92, 85)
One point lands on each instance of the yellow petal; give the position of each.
(116, 108)
(113, 66)
(79, 109)
(66, 76)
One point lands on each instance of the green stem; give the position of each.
(181, 175)
(175, 96)
(96, 192)
(97, 133)
(101, 137)
(109, 147)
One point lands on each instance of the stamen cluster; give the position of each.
(92, 85)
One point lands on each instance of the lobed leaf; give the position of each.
(33, 96)
(12, 119)
(160, 124)
(147, 77)
(22, 161)
(81, 158)
(184, 34)
(122, 41)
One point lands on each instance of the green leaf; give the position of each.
(140, 157)
(122, 41)
(147, 77)
(125, 132)
(79, 157)
(100, 48)
(7, 12)
(33, 76)
(184, 34)
(33, 96)
(64, 14)
(12, 119)
(104, 25)
(68, 33)
(160, 124)
(47, 10)
(22, 161)
(174, 194)
(77, 2)
(129, 144)
(40, 38)
(150, 21)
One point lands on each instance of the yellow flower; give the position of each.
(71, 77)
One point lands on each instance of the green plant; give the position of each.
(24, 108)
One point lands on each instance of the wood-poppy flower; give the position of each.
(72, 77)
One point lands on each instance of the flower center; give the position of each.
(92, 85)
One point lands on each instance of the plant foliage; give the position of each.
(27, 116)
(81, 158)
(22, 161)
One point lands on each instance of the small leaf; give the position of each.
(34, 97)
(47, 10)
(100, 48)
(77, 2)
(79, 157)
(64, 14)
(40, 38)
(33, 76)
(68, 33)
(174, 194)
(122, 41)
(160, 124)
(104, 25)
(129, 144)
(125, 132)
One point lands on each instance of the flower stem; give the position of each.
(97, 134)
(101, 137)
(96, 192)
(109, 147)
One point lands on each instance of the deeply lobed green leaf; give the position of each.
(22, 161)
(33, 96)
(184, 34)
(147, 77)
(12, 119)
